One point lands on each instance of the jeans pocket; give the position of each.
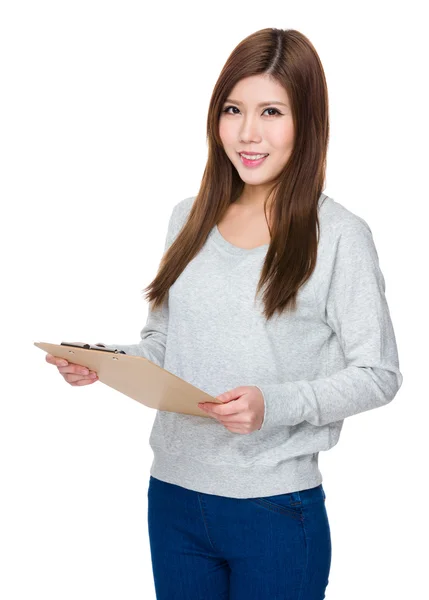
(286, 504)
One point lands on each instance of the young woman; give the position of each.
(236, 506)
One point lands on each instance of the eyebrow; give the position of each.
(260, 104)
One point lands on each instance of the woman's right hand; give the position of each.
(75, 375)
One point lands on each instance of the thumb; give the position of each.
(231, 394)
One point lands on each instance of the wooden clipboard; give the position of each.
(134, 376)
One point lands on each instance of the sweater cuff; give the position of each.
(279, 408)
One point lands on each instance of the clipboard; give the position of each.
(135, 376)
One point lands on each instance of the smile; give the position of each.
(252, 162)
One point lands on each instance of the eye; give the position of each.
(277, 111)
(226, 110)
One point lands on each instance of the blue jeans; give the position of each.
(208, 547)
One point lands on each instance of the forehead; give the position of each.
(257, 89)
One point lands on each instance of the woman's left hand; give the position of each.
(244, 415)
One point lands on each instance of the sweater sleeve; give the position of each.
(153, 336)
(355, 308)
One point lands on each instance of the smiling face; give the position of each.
(257, 117)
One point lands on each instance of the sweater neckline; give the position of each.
(232, 248)
(238, 250)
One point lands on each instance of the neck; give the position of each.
(253, 197)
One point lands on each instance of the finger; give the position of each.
(233, 407)
(77, 372)
(237, 419)
(238, 416)
(75, 369)
(85, 381)
(55, 360)
(80, 379)
(82, 382)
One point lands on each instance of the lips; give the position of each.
(262, 154)
(252, 162)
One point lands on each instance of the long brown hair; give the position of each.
(289, 58)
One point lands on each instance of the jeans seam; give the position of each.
(204, 521)
(306, 560)
(276, 508)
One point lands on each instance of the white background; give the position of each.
(103, 117)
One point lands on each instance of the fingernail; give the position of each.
(62, 363)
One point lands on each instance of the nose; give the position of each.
(249, 131)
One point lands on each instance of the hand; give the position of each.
(75, 375)
(243, 411)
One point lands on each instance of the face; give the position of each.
(257, 117)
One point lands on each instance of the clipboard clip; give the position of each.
(92, 347)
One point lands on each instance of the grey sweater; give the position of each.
(334, 358)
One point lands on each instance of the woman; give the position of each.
(236, 506)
